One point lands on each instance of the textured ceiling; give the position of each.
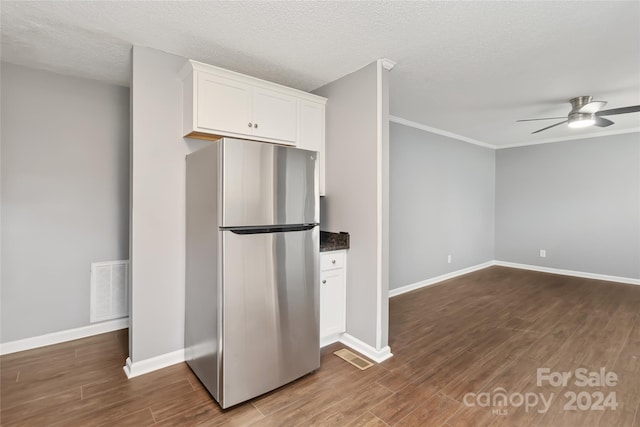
(470, 68)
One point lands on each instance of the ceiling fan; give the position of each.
(585, 112)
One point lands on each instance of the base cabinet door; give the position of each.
(333, 292)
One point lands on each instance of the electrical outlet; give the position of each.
(449, 259)
(543, 253)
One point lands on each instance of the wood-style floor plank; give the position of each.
(435, 411)
(349, 409)
(367, 420)
(486, 331)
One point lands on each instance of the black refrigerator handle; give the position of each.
(270, 229)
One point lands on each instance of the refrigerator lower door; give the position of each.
(270, 319)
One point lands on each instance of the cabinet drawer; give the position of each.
(331, 260)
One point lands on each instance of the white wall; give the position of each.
(355, 147)
(579, 200)
(65, 195)
(442, 203)
(157, 205)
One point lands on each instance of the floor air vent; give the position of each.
(353, 358)
(109, 290)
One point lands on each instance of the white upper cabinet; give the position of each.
(311, 132)
(219, 102)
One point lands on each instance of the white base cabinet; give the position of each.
(333, 295)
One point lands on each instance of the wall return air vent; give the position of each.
(109, 290)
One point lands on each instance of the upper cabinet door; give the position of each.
(274, 115)
(223, 104)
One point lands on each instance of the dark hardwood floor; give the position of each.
(485, 333)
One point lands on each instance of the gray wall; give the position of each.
(352, 168)
(441, 202)
(157, 205)
(578, 200)
(65, 195)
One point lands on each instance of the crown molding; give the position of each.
(452, 135)
(387, 64)
(437, 131)
(571, 138)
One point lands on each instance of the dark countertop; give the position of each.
(333, 241)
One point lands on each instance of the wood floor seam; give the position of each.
(382, 421)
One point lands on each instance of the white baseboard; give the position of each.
(63, 336)
(438, 279)
(133, 369)
(330, 339)
(582, 274)
(365, 349)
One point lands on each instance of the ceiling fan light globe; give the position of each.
(576, 124)
(581, 120)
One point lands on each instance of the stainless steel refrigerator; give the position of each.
(252, 242)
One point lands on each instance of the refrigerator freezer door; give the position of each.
(267, 184)
(270, 318)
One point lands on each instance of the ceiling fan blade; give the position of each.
(602, 122)
(545, 118)
(622, 110)
(549, 127)
(592, 107)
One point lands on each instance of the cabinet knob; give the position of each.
(255, 125)
(333, 261)
(324, 281)
(250, 124)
